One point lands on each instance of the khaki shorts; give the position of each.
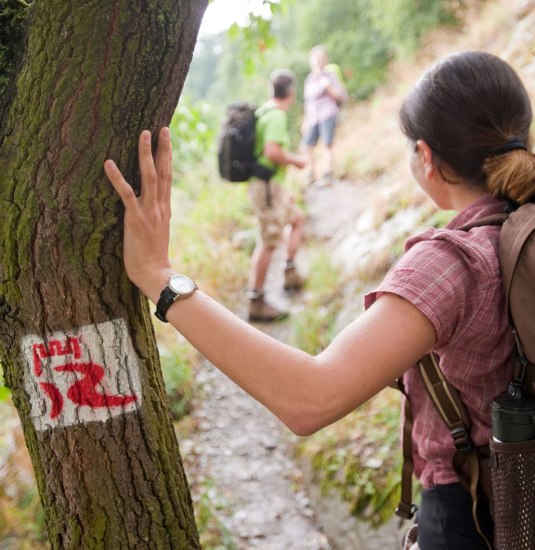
(272, 219)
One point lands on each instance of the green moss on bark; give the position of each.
(94, 76)
(13, 15)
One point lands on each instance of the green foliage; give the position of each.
(178, 377)
(240, 58)
(22, 523)
(13, 15)
(5, 393)
(440, 218)
(345, 29)
(193, 130)
(213, 533)
(209, 215)
(256, 36)
(406, 21)
(360, 458)
(313, 327)
(362, 37)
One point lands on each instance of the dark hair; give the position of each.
(466, 108)
(283, 82)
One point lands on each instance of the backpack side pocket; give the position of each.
(513, 486)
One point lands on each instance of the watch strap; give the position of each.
(166, 300)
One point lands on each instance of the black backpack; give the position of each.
(236, 145)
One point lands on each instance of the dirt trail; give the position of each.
(246, 452)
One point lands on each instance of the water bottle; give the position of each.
(513, 417)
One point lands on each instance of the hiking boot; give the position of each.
(260, 310)
(292, 279)
(327, 179)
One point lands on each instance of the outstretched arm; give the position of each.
(306, 392)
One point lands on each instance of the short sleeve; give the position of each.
(435, 277)
(276, 129)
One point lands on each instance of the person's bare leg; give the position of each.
(259, 309)
(292, 280)
(295, 237)
(260, 261)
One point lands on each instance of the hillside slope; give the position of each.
(369, 143)
(371, 150)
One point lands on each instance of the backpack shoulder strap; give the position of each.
(517, 255)
(519, 230)
(406, 508)
(447, 401)
(493, 219)
(452, 410)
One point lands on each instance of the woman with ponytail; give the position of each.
(467, 125)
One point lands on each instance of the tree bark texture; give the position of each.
(76, 339)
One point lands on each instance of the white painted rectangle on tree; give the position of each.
(86, 375)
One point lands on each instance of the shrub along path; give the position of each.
(256, 489)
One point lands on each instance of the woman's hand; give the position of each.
(147, 218)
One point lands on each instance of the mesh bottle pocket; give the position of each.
(513, 487)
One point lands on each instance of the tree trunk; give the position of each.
(76, 339)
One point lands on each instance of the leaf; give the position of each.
(5, 394)
(234, 31)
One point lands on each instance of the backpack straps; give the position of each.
(493, 219)
(406, 508)
(453, 412)
(514, 238)
(447, 401)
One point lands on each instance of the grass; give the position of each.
(359, 457)
(176, 364)
(313, 327)
(204, 240)
(213, 533)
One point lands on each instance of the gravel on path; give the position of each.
(246, 452)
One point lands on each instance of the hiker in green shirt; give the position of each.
(274, 207)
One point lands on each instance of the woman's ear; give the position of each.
(426, 156)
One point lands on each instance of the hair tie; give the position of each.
(512, 144)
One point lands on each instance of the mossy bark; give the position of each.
(94, 75)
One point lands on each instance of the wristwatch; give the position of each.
(178, 287)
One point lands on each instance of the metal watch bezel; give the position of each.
(178, 289)
(170, 295)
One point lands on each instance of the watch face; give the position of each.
(181, 284)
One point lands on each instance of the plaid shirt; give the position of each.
(453, 277)
(319, 104)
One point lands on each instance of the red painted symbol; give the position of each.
(83, 392)
(71, 346)
(55, 396)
